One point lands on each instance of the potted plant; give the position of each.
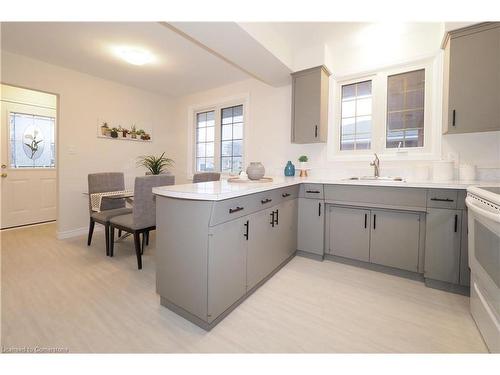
(123, 131)
(155, 164)
(303, 165)
(114, 133)
(133, 132)
(104, 129)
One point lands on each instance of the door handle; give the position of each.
(4, 175)
(453, 119)
(247, 224)
(233, 210)
(319, 209)
(315, 131)
(276, 218)
(267, 200)
(442, 199)
(272, 219)
(366, 218)
(374, 222)
(284, 195)
(456, 223)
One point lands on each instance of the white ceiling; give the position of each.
(182, 67)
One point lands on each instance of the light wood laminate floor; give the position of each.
(61, 293)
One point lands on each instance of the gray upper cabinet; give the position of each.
(395, 239)
(310, 105)
(471, 93)
(350, 233)
(442, 245)
(227, 256)
(311, 226)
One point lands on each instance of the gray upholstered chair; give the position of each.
(100, 183)
(142, 220)
(205, 177)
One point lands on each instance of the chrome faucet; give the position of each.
(376, 164)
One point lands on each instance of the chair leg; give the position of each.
(137, 242)
(147, 238)
(111, 240)
(143, 242)
(106, 234)
(119, 232)
(91, 231)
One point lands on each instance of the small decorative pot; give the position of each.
(289, 169)
(255, 171)
(114, 134)
(104, 130)
(303, 168)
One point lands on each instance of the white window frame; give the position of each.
(217, 107)
(432, 110)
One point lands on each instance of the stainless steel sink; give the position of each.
(373, 178)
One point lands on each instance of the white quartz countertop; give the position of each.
(220, 190)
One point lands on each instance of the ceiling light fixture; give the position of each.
(134, 56)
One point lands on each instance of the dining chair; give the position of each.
(142, 220)
(205, 177)
(101, 183)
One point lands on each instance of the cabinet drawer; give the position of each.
(234, 208)
(314, 191)
(442, 198)
(288, 193)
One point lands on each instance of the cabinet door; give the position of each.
(227, 254)
(306, 106)
(474, 82)
(350, 233)
(286, 218)
(442, 245)
(263, 246)
(394, 239)
(311, 226)
(464, 251)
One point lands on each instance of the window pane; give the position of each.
(238, 131)
(210, 117)
(210, 137)
(32, 141)
(200, 150)
(209, 149)
(237, 148)
(227, 115)
(405, 109)
(226, 164)
(348, 109)
(237, 164)
(226, 148)
(356, 116)
(201, 135)
(238, 113)
(227, 132)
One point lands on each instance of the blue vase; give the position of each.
(289, 169)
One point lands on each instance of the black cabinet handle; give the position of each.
(366, 218)
(276, 218)
(284, 195)
(272, 219)
(247, 225)
(315, 131)
(233, 210)
(442, 199)
(456, 223)
(454, 118)
(374, 222)
(313, 191)
(267, 200)
(319, 209)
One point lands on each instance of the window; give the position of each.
(405, 109)
(32, 141)
(219, 139)
(232, 139)
(205, 141)
(394, 112)
(356, 116)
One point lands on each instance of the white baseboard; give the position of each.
(61, 235)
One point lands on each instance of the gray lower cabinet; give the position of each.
(350, 232)
(286, 216)
(395, 239)
(311, 226)
(227, 266)
(442, 245)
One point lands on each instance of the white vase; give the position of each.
(255, 170)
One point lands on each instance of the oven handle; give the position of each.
(480, 211)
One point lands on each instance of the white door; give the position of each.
(28, 174)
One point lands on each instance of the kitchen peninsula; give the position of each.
(217, 242)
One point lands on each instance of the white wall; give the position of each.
(268, 137)
(84, 99)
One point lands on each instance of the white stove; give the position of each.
(483, 203)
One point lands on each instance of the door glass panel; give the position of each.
(31, 141)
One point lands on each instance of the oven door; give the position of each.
(484, 261)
